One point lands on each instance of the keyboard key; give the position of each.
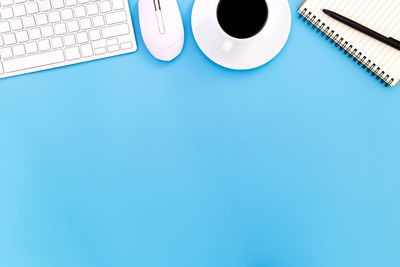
(44, 5)
(31, 47)
(94, 35)
(105, 6)
(4, 27)
(54, 16)
(44, 45)
(80, 11)
(82, 37)
(28, 22)
(33, 61)
(85, 24)
(87, 50)
(92, 9)
(47, 31)
(6, 52)
(57, 42)
(115, 30)
(22, 36)
(9, 39)
(16, 24)
(118, 4)
(72, 53)
(98, 21)
(67, 14)
(7, 2)
(60, 28)
(73, 26)
(116, 17)
(112, 42)
(19, 50)
(1, 68)
(19, 11)
(69, 39)
(70, 2)
(113, 48)
(32, 8)
(100, 51)
(7, 13)
(126, 45)
(99, 43)
(41, 19)
(57, 3)
(35, 34)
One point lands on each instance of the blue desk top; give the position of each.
(128, 161)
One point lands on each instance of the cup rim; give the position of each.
(235, 38)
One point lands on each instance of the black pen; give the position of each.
(357, 26)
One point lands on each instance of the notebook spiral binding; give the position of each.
(347, 48)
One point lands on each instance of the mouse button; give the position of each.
(172, 16)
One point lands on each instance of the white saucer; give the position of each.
(246, 53)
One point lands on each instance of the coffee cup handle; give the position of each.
(227, 46)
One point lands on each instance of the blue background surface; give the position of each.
(128, 161)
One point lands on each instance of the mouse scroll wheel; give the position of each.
(159, 15)
(157, 5)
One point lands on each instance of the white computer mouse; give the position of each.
(162, 28)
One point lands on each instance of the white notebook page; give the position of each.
(382, 16)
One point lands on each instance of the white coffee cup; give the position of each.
(249, 49)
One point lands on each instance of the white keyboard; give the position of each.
(42, 34)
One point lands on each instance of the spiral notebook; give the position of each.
(381, 60)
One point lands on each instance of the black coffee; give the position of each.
(242, 18)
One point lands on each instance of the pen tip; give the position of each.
(327, 12)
